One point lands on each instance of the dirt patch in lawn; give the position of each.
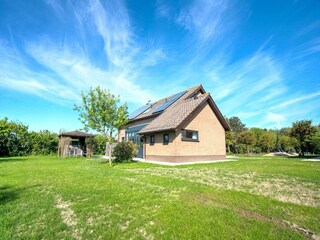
(254, 215)
(281, 187)
(68, 216)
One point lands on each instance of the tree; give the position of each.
(267, 141)
(101, 111)
(258, 133)
(247, 138)
(229, 139)
(14, 138)
(302, 131)
(315, 142)
(101, 145)
(288, 143)
(236, 125)
(44, 142)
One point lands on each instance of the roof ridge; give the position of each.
(197, 97)
(187, 93)
(188, 89)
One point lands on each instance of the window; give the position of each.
(189, 135)
(152, 140)
(166, 138)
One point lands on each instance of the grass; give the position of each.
(78, 198)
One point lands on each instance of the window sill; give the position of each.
(189, 140)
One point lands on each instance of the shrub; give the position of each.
(124, 151)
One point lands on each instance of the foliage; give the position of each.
(267, 141)
(100, 145)
(301, 137)
(247, 138)
(229, 140)
(91, 142)
(14, 138)
(288, 144)
(125, 151)
(236, 125)
(44, 142)
(102, 112)
(315, 142)
(303, 131)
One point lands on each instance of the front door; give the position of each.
(140, 147)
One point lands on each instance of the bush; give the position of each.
(124, 151)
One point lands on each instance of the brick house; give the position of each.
(184, 127)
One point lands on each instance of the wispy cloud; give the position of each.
(69, 68)
(207, 19)
(163, 9)
(113, 25)
(90, 43)
(254, 78)
(274, 119)
(304, 97)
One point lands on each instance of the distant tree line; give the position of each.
(301, 137)
(17, 140)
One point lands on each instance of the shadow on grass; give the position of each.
(10, 193)
(12, 159)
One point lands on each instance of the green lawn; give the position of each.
(78, 198)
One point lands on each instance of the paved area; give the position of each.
(177, 164)
(317, 159)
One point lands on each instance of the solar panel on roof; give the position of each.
(140, 110)
(169, 102)
(137, 112)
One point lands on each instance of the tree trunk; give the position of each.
(106, 149)
(229, 149)
(110, 148)
(110, 160)
(247, 150)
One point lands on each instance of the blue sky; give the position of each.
(260, 60)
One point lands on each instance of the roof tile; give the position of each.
(175, 115)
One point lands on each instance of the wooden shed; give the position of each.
(74, 144)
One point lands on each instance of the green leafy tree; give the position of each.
(236, 125)
(14, 138)
(101, 145)
(315, 142)
(247, 138)
(258, 132)
(285, 132)
(267, 141)
(44, 142)
(229, 140)
(288, 143)
(102, 112)
(302, 131)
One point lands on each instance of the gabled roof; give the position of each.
(172, 117)
(75, 134)
(149, 113)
